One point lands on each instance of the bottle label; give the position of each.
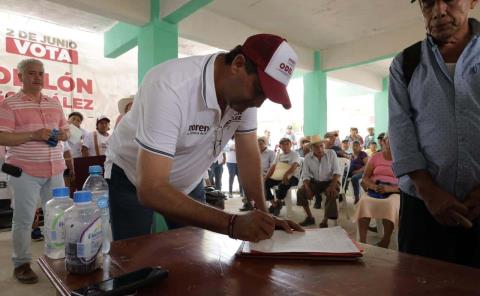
(90, 242)
(102, 202)
(56, 232)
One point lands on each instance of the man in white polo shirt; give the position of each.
(183, 115)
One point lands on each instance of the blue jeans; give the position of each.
(215, 175)
(128, 217)
(232, 172)
(355, 183)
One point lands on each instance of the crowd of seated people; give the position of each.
(320, 173)
(315, 169)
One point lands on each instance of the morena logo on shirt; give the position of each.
(198, 129)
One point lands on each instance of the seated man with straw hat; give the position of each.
(320, 174)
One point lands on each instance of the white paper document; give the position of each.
(323, 240)
(75, 134)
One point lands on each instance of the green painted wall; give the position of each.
(381, 109)
(157, 43)
(315, 100)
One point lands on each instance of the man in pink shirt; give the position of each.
(27, 121)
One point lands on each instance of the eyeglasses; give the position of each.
(217, 141)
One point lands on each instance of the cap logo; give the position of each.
(286, 68)
(282, 64)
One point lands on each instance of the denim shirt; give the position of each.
(434, 122)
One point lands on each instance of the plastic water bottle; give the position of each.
(54, 222)
(83, 234)
(97, 185)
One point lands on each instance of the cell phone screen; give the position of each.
(124, 283)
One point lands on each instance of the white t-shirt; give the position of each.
(65, 146)
(176, 115)
(290, 158)
(102, 140)
(231, 154)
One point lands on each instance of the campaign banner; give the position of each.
(76, 72)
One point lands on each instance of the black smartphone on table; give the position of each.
(11, 170)
(125, 284)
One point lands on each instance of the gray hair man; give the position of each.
(434, 127)
(31, 124)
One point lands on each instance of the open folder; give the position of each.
(323, 244)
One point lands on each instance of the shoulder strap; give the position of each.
(411, 59)
(95, 142)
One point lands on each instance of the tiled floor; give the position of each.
(9, 286)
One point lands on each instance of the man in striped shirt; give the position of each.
(27, 120)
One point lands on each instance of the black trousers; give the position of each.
(420, 234)
(128, 217)
(282, 188)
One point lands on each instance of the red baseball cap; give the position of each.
(275, 61)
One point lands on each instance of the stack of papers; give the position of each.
(75, 134)
(324, 243)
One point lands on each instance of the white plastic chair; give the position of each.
(288, 199)
(345, 164)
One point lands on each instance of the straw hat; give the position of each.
(122, 104)
(315, 139)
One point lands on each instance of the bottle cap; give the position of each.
(82, 196)
(61, 192)
(95, 169)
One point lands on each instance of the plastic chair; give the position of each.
(345, 164)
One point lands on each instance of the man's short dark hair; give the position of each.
(345, 141)
(381, 136)
(249, 65)
(373, 143)
(75, 113)
(283, 140)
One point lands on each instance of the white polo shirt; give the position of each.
(176, 115)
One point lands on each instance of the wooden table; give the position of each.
(204, 263)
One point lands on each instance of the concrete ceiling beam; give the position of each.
(360, 77)
(221, 32)
(133, 12)
(370, 49)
